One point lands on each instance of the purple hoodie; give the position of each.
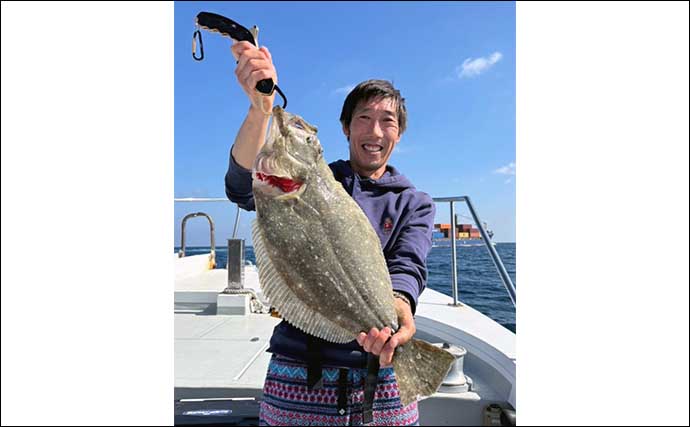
(402, 217)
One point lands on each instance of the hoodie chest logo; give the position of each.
(387, 225)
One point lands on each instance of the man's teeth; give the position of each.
(372, 148)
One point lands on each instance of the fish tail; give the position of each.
(420, 369)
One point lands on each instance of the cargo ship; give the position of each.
(465, 235)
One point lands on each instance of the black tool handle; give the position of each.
(228, 27)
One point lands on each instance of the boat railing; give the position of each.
(502, 273)
(500, 268)
(184, 223)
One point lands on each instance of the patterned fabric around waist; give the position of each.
(288, 401)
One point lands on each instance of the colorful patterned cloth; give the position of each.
(288, 401)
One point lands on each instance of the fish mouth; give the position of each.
(286, 185)
(276, 168)
(270, 180)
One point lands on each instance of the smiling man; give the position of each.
(373, 126)
(341, 384)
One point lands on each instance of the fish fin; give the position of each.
(290, 307)
(420, 369)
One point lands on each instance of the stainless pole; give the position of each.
(453, 262)
(505, 278)
(235, 264)
(237, 223)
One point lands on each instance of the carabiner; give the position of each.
(201, 45)
(282, 95)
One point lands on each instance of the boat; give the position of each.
(223, 324)
(465, 243)
(442, 239)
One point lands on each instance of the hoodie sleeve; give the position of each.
(407, 257)
(238, 185)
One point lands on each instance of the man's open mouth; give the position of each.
(372, 148)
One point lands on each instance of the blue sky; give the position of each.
(453, 62)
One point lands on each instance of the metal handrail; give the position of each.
(237, 223)
(503, 274)
(184, 223)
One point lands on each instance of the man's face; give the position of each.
(373, 134)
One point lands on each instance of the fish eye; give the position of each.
(309, 140)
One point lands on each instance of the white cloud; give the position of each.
(474, 67)
(344, 90)
(509, 169)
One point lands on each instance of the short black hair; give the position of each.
(372, 89)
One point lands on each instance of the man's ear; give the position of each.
(346, 131)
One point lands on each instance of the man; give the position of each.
(309, 379)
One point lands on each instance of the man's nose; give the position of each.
(376, 129)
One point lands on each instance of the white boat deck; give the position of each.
(219, 353)
(224, 356)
